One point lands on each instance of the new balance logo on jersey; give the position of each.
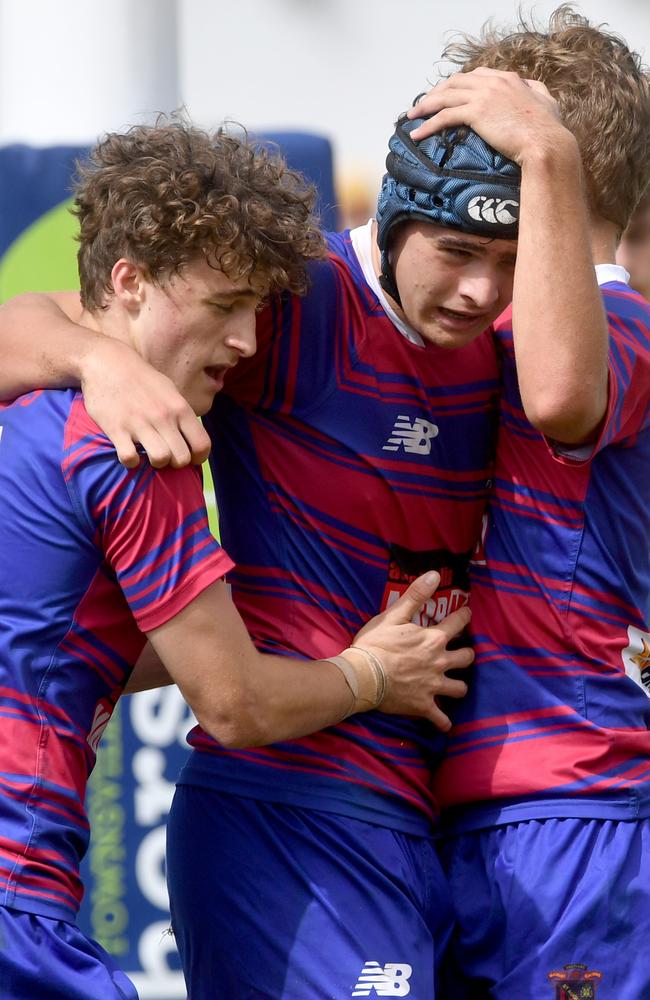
(390, 981)
(415, 438)
(496, 211)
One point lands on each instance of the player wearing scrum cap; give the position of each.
(353, 451)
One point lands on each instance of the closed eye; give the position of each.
(458, 253)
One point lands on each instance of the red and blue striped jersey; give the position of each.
(557, 719)
(93, 555)
(347, 459)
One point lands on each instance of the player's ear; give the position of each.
(128, 283)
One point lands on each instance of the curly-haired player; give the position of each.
(168, 195)
(182, 236)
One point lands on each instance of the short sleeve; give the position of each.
(150, 524)
(628, 403)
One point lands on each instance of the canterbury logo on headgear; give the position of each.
(495, 211)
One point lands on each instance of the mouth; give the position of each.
(454, 319)
(216, 374)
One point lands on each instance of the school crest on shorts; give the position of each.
(575, 982)
(636, 657)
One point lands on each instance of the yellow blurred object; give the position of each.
(357, 192)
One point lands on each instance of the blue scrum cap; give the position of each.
(452, 178)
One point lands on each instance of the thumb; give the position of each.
(411, 601)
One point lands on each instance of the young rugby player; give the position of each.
(547, 776)
(181, 237)
(359, 438)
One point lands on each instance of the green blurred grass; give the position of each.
(210, 502)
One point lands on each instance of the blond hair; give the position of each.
(602, 89)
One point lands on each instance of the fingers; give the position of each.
(196, 437)
(455, 623)
(459, 659)
(166, 442)
(126, 450)
(441, 108)
(447, 118)
(417, 594)
(132, 403)
(454, 689)
(492, 102)
(538, 87)
(438, 718)
(157, 449)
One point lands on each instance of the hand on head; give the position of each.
(515, 116)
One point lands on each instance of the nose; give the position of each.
(243, 338)
(481, 287)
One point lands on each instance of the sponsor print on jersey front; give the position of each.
(452, 592)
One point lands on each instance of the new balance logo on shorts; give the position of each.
(390, 981)
(414, 437)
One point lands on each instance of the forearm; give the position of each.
(240, 696)
(244, 698)
(40, 345)
(559, 324)
(281, 699)
(149, 672)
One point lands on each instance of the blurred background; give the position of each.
(336, 73)
(342, 68)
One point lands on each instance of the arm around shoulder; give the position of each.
(40, 342)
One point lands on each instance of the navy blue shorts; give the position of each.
(272, 902)
(556, 907)
(46, 959)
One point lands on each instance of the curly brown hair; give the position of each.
(161, 195)
(602, 89)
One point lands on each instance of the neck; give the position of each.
(604, 240)
(108, 322)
